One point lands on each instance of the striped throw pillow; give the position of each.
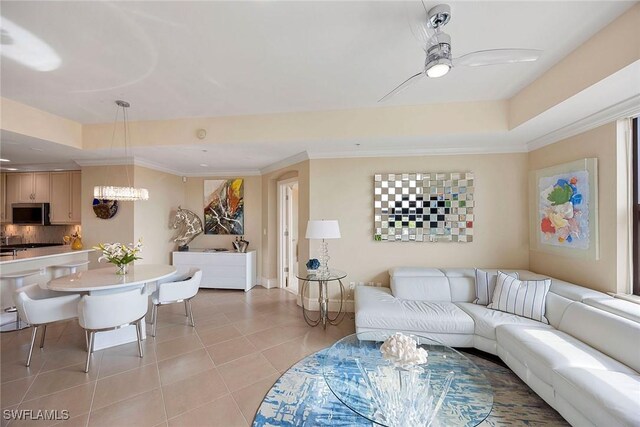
(526, 298)
(485, 284)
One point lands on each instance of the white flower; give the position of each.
(119, 253)
(403, 351)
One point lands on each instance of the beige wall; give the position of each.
(152, 217)
(194, 201)
(269, 254)
(602, 274)
(120, 228)
(402, 121)
(29, 121)
(342, 189)
(581, 68)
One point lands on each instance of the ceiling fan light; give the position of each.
(437, 69)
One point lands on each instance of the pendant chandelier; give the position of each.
(112, 192)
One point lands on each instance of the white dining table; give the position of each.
(102, 281)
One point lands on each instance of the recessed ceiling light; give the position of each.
(5, 160)
(10, 169)
(204, 165)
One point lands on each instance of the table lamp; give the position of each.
(323, 229)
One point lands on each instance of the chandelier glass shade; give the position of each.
(112, 192)
(108, 192)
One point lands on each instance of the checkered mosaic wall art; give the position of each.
(424, 207)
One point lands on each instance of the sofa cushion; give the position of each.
(606, 398)
(462, 283)
(555, 307)
(627, 309)
(486, 283)
(525, 298)
(376, 308)
(543, 349)
(560, 287)
(486, 320)
(611, 334)
(420, 284)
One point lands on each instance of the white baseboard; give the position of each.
(334, 304)
(268, 283)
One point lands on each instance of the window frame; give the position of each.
(635, 149)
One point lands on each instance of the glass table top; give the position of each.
(449, 384)
(316, 277)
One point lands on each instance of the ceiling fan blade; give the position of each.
(402, 86)
(416, 12)
(497, 56)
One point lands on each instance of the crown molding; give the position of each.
(624, 109)
(41, 167)
(137, 161)
(114, 161)
(292, 160)
(223, 173)
(439, 151)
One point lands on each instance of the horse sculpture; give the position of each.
(189, 224)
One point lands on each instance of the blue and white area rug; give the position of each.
(301, 397)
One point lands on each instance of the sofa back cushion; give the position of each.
(421, 288)
(556, 306)
(462, 283)
(611, 334)
(627, 309)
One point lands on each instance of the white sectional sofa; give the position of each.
(585, 363)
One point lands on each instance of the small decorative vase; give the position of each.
(76, 245)
(121, 269)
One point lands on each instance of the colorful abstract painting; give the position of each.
(224, 206)
(565, 220)
(423, 207)
(564, 209)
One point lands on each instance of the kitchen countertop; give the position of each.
(38, 253)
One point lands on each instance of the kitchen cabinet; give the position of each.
(12, 188)
(65, 197)
(32, 187)
(221, 270)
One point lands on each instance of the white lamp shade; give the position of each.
(323, 229)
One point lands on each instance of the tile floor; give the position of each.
(215, 374)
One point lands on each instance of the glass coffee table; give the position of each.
(449, 384)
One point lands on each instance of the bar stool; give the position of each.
(71, 266)
(17, 280)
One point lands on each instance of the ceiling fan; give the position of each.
(437, 45)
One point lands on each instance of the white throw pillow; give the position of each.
(526, 298)
(485, 284)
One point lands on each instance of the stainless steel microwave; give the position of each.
(30, 213)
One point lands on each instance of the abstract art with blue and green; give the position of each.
(563, 209)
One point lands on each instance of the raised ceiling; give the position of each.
(198, 59)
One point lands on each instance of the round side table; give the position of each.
(323, 297)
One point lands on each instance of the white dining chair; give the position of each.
(97, 313)
(40, 307)
(178, 289)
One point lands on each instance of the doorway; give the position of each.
(288, 235)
